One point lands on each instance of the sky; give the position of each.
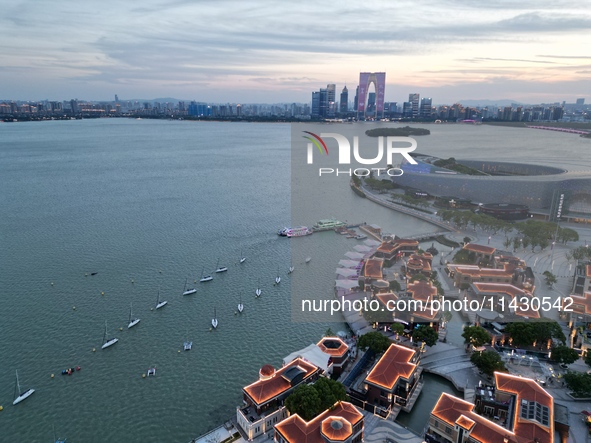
(271, 51)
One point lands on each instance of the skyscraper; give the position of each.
(315, 104)
(366, 79)
(344, 106)
(426, 104)
(414, 103)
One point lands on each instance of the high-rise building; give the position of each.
(315, 104)
(407, 109)
(580, 101)
(414, 103)
(356, 102)
(323, 102)
(344, 107)
(426, 104)
(366, 79)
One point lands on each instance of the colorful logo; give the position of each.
(317, 141)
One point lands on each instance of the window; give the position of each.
(532, 410)
(448, 430)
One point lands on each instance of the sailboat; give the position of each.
(277, 279)
(291, 268)
(258, 291)
(205, 278)
(242, 257)
(106, 341)
(132, 321)
(240, 305)
(159, 303)
(308, 259)
(21, 395)
(214, 320)
(220, 268)
(188, 291)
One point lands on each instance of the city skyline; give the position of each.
(279, 53)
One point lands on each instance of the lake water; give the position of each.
(147, 204)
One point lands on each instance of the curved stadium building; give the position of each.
(545, 190)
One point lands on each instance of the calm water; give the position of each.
(155, 202)
(152, 202)
(432, 389)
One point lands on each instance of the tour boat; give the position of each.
(132, 321)
(326, 224)
(308, 259)
(188, 291)
(298, 231)
(106, 341)
(21, 395)
(283, 231)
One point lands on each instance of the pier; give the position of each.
(553, 128)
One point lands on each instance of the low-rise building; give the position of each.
(515, 410)
(341, 424)
(263, 400)
(394, 381)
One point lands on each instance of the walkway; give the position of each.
(378, 430)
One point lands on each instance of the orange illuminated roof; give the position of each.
(422, 290)
(387, 248)
(476, 271)
(385, 298)
(333, 346)
(262, 391)
(395, 363)
(582, 303)
(524, 309)
(453, 410)
(296, 430)
(524, 388)
(406, 242)
(481, 249)
(373, 268)
(465, 422)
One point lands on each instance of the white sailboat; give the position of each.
(242, 257)
(132, 321)
(206, 277)
(188, 344)
(21, 395)
(277, 279)
(189, 291)
(220, 268)
(214, 320)
(106, 341)
(258, 291)
(308, 259)
(291, 268)
(240, 305)
(159, 303)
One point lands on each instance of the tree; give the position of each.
(564, 354)
(550, 278)
(475, 335)
(329, 333)
(426, 334)
(395, 286)
(329, 391)
(579, 383)
(304, 401)
(467, 240)
(374, 341)
(507, 242)
(488, 362)
(397, 328)
(547, 330)
(521, 333)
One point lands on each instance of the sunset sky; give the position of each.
(269, 51)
